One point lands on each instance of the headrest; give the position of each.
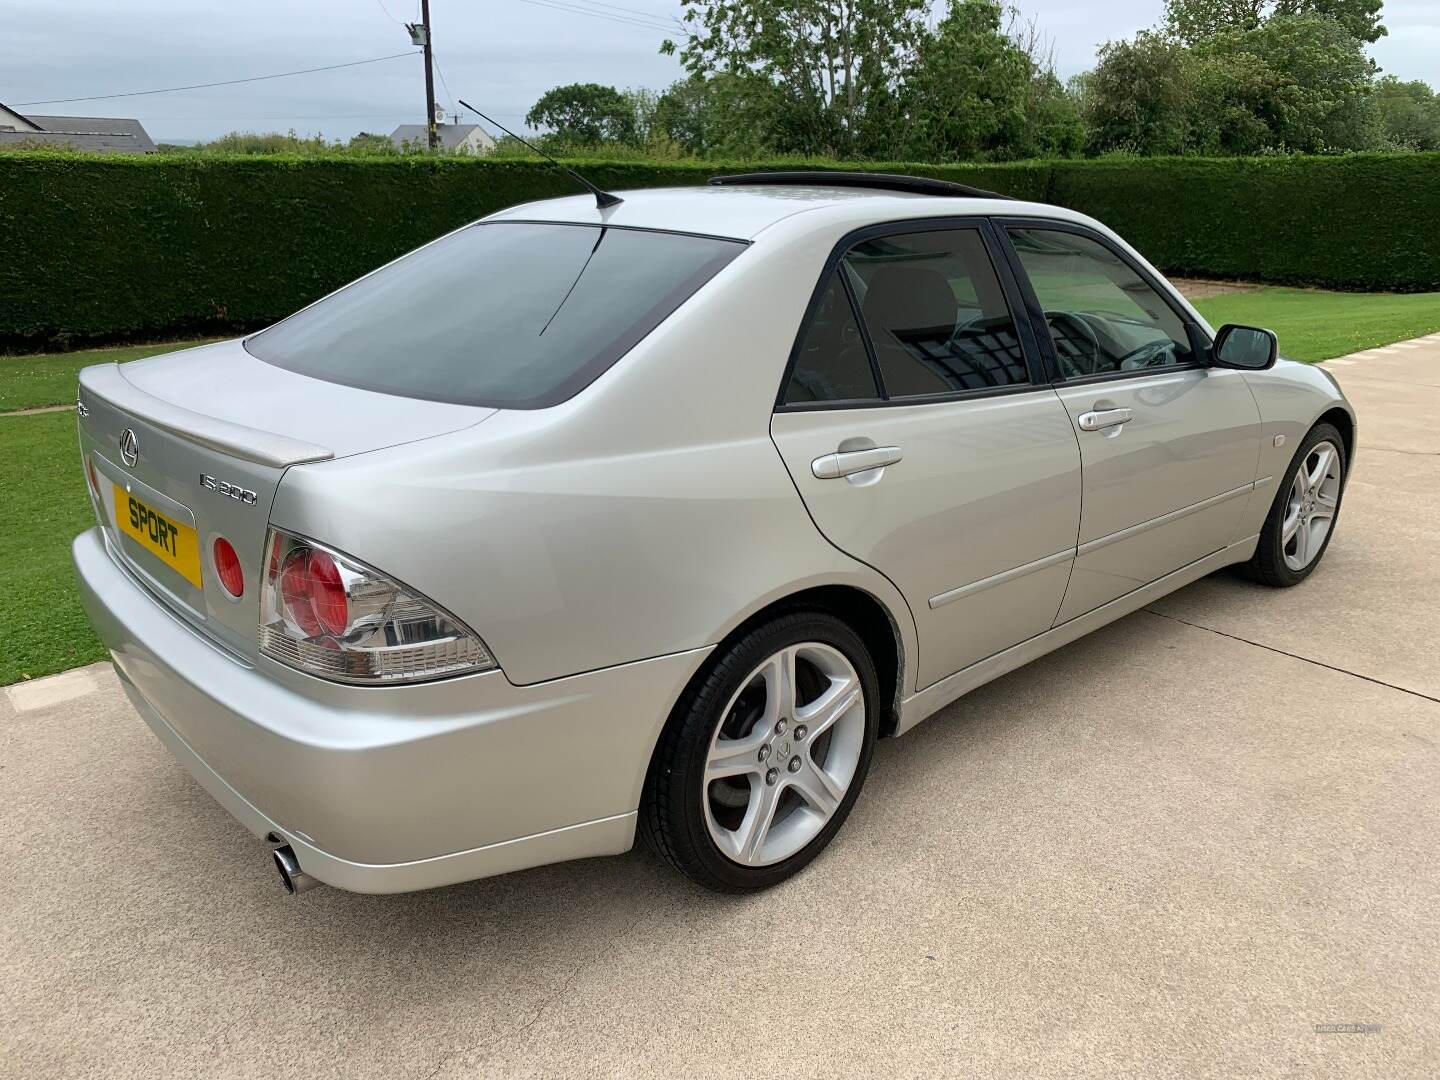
(909, 298)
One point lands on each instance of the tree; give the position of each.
(1408, 114)
(584, 114)
(1194, 21)
(1360, 18)
(813, 69)
(1140, 97)
(1232, 104)
(643, 105)
(1053, 127)
(683, 112)
(968, 94)
(1286, 84)
(1307, 79)
(366, 142)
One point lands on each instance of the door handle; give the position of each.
(846, 462)
(1100, 419)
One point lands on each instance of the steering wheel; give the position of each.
(1054, 320)
(1151, 354)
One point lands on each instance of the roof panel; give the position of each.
(745, 211)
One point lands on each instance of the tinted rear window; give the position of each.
(513, 315)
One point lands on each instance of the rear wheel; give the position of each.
(1302, 518)
(761, 763)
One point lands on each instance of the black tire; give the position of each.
(672, 818)
(1268, 565)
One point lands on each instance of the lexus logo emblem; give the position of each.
(129, 447)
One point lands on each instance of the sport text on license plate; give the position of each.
(174, 543)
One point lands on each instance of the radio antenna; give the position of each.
(602, 198)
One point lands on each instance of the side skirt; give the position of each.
(935, 697)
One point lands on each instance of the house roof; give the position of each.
(10, 120)
(99, 134)
(451, 135)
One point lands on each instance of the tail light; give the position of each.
(325, 613)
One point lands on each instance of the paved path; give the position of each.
(1168, 850)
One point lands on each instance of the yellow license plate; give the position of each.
(174, 543)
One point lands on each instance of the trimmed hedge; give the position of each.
(125, 248)
(1361, 221)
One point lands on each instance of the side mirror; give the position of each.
(1248, 348)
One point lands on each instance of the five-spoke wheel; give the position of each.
(762, 761)
(1310, 509)
(1302, 517)
(784, 755)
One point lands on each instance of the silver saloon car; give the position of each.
(583, 521)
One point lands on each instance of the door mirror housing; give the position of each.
(1248, 348)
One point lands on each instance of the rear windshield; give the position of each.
(514, 315)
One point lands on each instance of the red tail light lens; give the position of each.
(327, 593)
(325, 613)
(295, 594)
(313, 594)
(227, 567)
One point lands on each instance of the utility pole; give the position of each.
(433, 135)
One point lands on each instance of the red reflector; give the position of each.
(327, 593)
(227, 567)
(94, 480)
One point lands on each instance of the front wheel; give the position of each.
(761, 763)
(1302, 518)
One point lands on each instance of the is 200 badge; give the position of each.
(229, 490)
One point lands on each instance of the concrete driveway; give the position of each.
(1171, 849)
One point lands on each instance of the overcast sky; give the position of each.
(499, 54)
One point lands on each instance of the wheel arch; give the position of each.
(868, 615)
(1343, 422)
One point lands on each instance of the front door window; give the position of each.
(1103, 316)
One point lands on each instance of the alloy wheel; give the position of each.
(784, 754)
(1311, 507)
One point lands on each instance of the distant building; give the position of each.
(97, 134)
(464, 138)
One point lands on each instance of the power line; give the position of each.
(632, 11)
(328, 116)
(584, 7)
(226, 82)
(558, 5)
(555, 5)
(441, 72)
(386, 10)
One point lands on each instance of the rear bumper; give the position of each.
(396, 788)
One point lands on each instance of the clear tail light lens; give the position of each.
(325, 613)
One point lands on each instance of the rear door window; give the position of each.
(831, 363)
(512, 315)
(936, 313)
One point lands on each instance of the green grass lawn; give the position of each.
(29, 382)
(42, 626)
(1315, 325)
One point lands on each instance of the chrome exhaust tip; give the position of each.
(292, 877)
